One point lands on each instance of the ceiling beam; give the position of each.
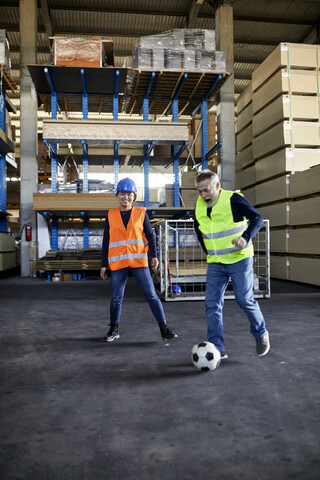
(193, 13)
(46, 20)
(239, 18)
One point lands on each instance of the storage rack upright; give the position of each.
(6, 145)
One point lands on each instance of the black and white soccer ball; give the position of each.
(205, 356)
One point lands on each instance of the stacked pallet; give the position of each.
(245, 171)
(285, 147)
(74, 202)
(8, 256)
(190, 50)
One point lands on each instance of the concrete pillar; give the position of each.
(28, 126)
(225, 100)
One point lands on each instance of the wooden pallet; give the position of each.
(164, 87)
(67, 265)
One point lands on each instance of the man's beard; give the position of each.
(210, 202)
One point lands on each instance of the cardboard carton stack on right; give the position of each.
(283, 173)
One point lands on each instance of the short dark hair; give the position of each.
(207, 175)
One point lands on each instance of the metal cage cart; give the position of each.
(182, 262)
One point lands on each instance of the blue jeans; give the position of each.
(118, 284)
(241, 274)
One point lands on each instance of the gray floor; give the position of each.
(73, 407)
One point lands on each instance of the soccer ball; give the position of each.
(205, 356)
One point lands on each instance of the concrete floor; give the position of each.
(73, 407)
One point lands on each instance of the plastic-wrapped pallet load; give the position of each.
(180, 49)
(82, 52)
(4, 50)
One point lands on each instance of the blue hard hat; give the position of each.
(176, 289)
(126, 185)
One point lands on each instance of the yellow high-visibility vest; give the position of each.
(219, 230)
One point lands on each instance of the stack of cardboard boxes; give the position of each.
(278, 159)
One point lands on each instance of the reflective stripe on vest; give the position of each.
(125, 257)
(219, 230)
(128, 242)
(225, 233)
(128, 247)
(225, 251)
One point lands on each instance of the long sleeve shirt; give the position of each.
(147, 229)
(241, 209)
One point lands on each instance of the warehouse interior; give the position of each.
(92, 92)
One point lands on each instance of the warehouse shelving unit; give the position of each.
(104, 90)
(6, 145)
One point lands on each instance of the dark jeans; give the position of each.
(218, 276)
(143, 277)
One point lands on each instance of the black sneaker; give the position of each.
(223, 355)
(263, 344)
(166, 333)
(113, 333)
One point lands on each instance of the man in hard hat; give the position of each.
(225, 235)
(127, 238)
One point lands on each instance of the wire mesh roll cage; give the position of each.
(182, 262)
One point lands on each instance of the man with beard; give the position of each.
(225, 223)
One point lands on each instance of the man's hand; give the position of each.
(239, 242)
(154, 264)
(103, 273)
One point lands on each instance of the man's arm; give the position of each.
(241, 209)
(199, 236)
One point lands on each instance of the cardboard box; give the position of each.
(188, 179)
(304, 240)
(305, 212)
(245, 178)
(285, 161)
(189, 197)
(244, 98)
(305, 270)
(290, 55)
(279, 267)
(244, 118)
(279, 240)
(295, 82)
(250, 194)
(142, 58)
(273, 190)
(244, 158)
(169, 195)
(306, 182)
(8, 260)
(285, 107)
(286, 134)
(278, 214)
(244, 138)
(7, 242)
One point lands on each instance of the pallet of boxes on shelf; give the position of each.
(285, 145)
(245, 172)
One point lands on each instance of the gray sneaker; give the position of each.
(223, 355)
(113, 333)
(263, 344)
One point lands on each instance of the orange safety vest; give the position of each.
(128, 247)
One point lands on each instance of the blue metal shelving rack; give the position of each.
(51, 75)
